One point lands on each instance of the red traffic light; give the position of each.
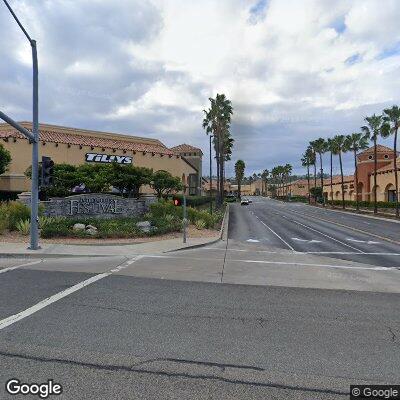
(177, 202)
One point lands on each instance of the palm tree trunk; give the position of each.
(396, 178)
(308, 183)
(356, 172)
(331, 179)
(341, 175)
(315, 176)
(239, 189)
(375, 169)
(322, 179)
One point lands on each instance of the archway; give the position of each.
(361, 195)
(390, 193)
(337, 195)
(378, 193)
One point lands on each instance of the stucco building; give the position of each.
(365, 165)
(79, 146)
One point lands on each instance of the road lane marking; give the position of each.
(283, 240)
(19, 266)
(302, 252)
(305, 240)
(285, 263)
(12, 319)
(313, 215)
(362, 241)
(323, 234)
(252, 241)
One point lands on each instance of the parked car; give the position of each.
(244, 202)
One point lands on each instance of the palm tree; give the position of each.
(287, 170)
(217, 122)
(307, 160)
(320, 147)
(376, 127)
(239, 174)
(331, 147)
(392, 118)
(356, 142)
(264, 176)
(339, 148)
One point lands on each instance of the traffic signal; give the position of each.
(177, 202)
(47, 172)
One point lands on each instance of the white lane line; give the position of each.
(55, 297)
(323, 234)
(318, 265)
(362, 241)
(19, 266)
(288, 263)
(301, 252)
(283, 240)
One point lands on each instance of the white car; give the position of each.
(244, 202)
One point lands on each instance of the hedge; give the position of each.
(366, 204)
(194, 201)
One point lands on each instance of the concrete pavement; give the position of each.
(248, 317)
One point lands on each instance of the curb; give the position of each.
(223, 233)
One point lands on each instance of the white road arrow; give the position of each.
(308, 241)
(362, 241)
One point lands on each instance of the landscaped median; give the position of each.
(163, 221)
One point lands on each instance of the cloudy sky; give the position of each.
(294, 70)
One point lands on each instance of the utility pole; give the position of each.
(33, 137)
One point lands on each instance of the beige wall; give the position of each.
(14, 179)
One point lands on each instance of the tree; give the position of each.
(217, 122)
(356, 142)
(287, 170)
(307, 160)
(311, 145)
(376, 127)
(239, 173)
(339, 147)
(5, 159)
(164, 183)
(392, 118)
(332, 148)
(129, 178)
(95, 177)
(320, 147)
(264, 176)
(65, 178)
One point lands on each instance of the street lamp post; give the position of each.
(33, 137)
(211, 136)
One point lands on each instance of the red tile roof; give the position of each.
(184, 148)
(72, 136)
(379, 148)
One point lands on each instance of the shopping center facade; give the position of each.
(80, 146)
(385, 177)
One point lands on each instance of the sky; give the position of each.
(295, 70)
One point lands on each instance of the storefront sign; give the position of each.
(107, 158)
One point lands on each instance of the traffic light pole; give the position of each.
(35, 154)
(33, 137)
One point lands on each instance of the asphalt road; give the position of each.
(249, 318)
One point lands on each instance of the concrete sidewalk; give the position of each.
(70, 250)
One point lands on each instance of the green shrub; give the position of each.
(3, 223)
(200, 224)
(14, 212)
(23, 227)
(194, 201)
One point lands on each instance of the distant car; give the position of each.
(244, 202)
(250, 200)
